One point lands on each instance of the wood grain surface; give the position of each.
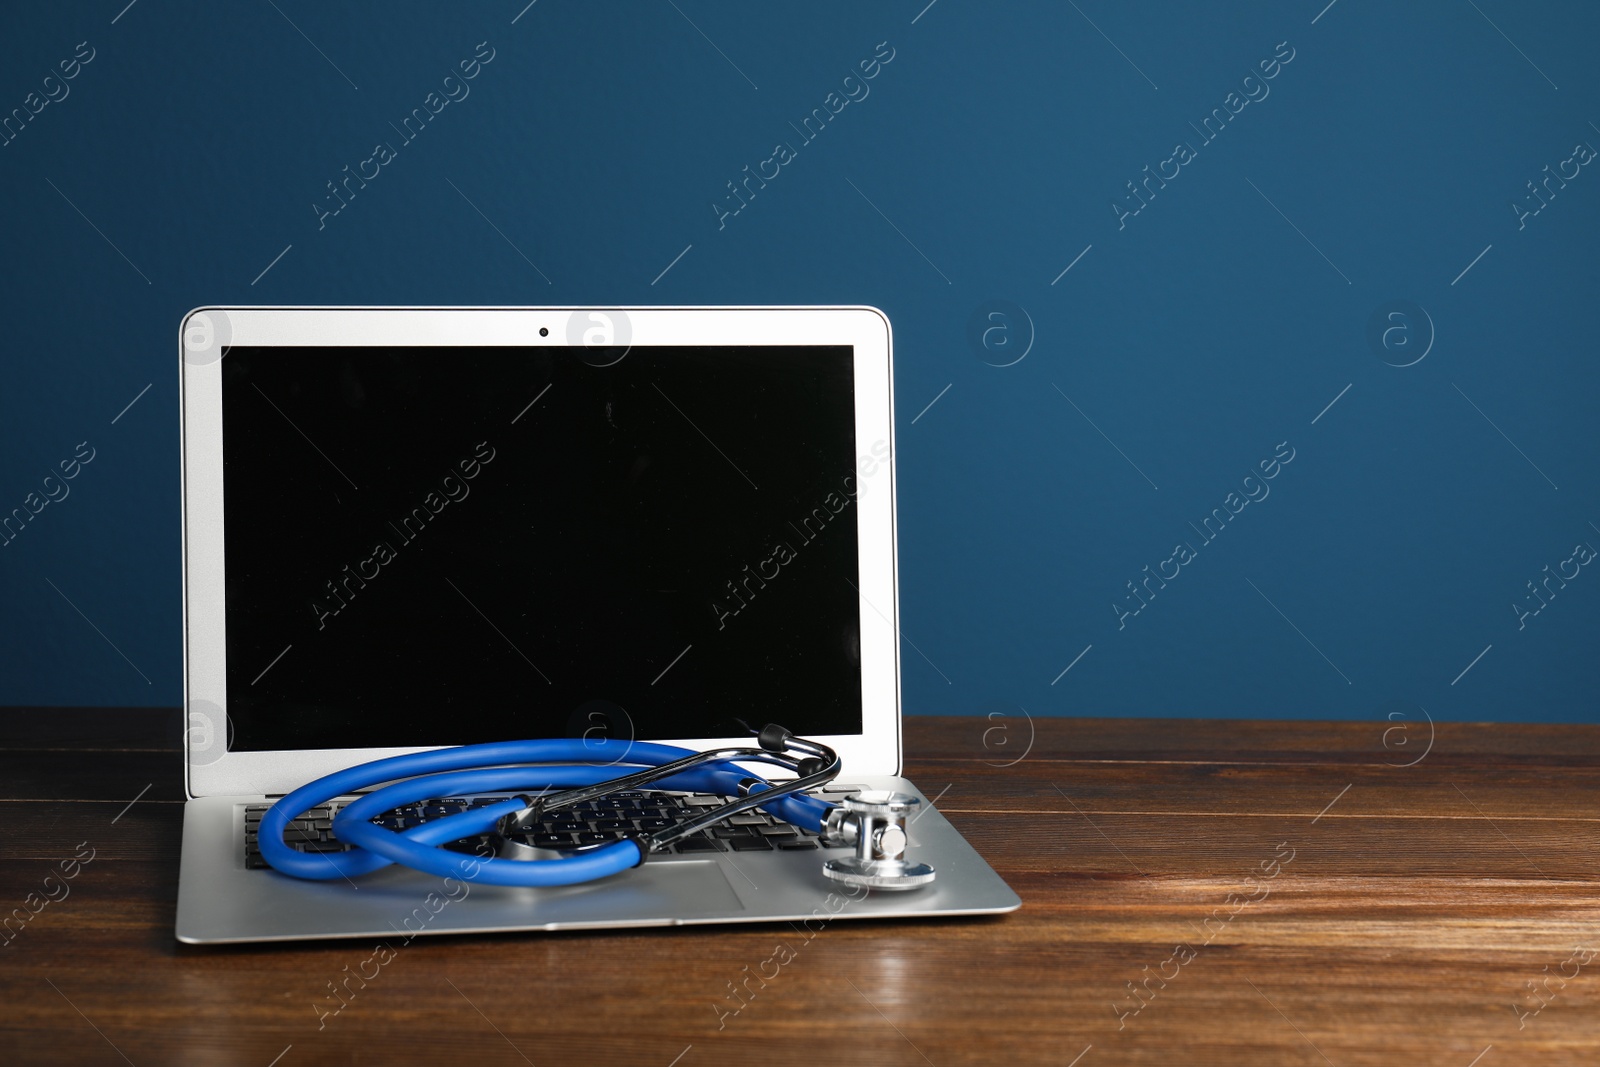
(1194, 892)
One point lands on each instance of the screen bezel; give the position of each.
(876, 750)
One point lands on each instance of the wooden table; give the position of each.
(1195, 892)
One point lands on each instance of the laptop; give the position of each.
(409, 528)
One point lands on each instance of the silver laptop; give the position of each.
(407, 528)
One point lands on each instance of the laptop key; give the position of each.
(471, 846)
(698, 844)
(795, 844)
(750, 844)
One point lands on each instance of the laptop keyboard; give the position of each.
(592, 822)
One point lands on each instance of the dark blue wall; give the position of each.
(1358, 209)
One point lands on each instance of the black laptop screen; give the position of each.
(432, 546)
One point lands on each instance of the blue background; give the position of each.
(1192, 339)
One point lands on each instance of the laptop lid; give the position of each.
(413, 527)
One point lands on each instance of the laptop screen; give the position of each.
(438, 546)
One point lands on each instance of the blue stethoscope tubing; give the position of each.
(488, 768)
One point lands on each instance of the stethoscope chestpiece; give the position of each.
(874, 821)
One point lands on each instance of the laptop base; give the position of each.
(220, 901)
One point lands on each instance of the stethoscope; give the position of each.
(874, 821)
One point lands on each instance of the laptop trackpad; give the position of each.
(655, 892)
